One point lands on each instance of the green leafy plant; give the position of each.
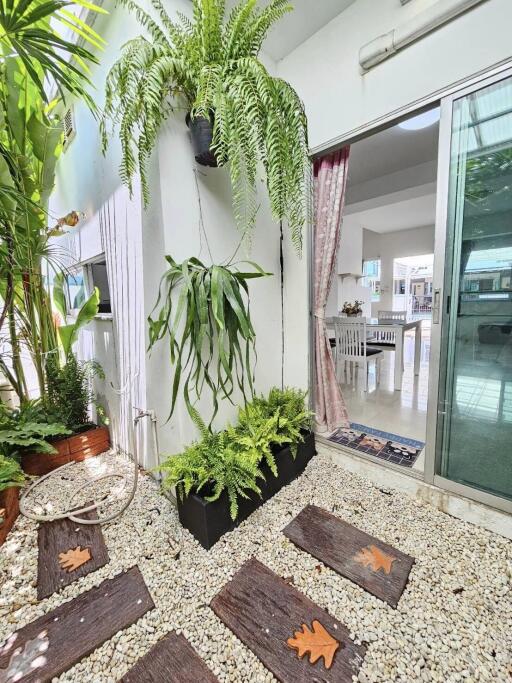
(218, 462)
(259, 432)
(68, 333)
(209, 328)
(69, 392)
(288, 407)
(27, 428)
(231, 459)
(30, 34)
(11, 474)
(211, 62)
(34, 61)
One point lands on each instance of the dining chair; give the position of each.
(387, 338)
(352, 348)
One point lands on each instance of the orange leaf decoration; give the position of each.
(375, 559)
(74, 558)
(318, 642)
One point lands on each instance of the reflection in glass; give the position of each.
(475, 426)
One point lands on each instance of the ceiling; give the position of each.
(415, 212)
(391, 150)
(306, 19)
(382, 199)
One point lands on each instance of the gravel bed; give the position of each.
(453, 622)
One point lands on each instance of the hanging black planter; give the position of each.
(201, 130)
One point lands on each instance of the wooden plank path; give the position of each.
(171, 660)
(375, 566)
(264, 612)
(51, 644)
(58, 537)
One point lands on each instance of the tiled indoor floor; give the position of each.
(381, 407)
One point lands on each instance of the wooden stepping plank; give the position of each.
(171, 660)
(264, 611)
(53, 643)
(59, 537)
(375, 566)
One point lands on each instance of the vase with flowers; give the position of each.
(352, 310)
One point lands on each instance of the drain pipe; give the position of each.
(434, 17)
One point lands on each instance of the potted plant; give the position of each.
(294, 444)
(67, 401)
(213, 346)
(11, 478)
(353, 310)
(237, 111)
(222, 478)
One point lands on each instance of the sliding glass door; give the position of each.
(471, 406)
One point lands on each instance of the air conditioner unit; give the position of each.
(68, 122)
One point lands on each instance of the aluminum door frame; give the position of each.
(436, 408)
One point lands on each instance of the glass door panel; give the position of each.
(474, 435)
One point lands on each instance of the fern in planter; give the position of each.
(212, 63)
(288, 406)
(208, 327)
(218, 462)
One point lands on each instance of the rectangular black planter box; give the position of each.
(208, 521)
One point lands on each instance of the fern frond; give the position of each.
(259, 120)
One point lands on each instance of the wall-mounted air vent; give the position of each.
(69, 127)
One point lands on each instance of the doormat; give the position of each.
(391, 447)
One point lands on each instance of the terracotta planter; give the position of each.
(9, 502)
(71, 449)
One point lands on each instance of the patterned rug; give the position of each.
(391, 447)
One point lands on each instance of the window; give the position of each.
(371, 277)
(98, 278)
(400, 286)
(75, 290)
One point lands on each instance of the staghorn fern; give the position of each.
(208, 328)
(212, 62)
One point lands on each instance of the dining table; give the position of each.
(399, 328)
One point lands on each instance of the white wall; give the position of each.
(339, 99)
(389, 246)
(88, 182)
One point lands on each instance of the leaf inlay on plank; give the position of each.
(318, 642)
(375, 559)
(74, 558)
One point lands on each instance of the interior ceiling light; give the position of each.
(428, 118)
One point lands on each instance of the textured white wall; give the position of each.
(339, 99)
(89, 182)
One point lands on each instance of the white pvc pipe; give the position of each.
(386, 45)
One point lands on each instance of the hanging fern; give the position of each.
(209, 329)
(259, 120)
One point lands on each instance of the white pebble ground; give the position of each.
(453, 622)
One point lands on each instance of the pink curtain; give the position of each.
(330, 178)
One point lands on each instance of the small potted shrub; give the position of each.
(67, 402)
(11, 478)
